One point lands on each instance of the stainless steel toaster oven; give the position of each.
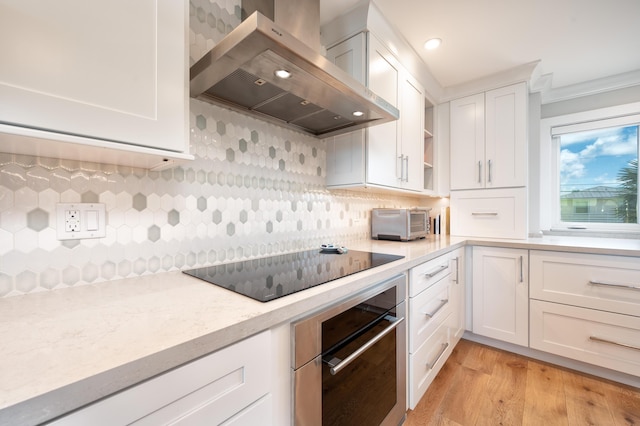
(399, 224)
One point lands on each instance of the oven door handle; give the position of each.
(338, 364)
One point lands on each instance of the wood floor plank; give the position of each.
(545, 402)
(480, 358)
(505, 393)
(464, 399)
(624, 403)
(586, 401)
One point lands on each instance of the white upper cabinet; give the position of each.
(412, 132)
(467, 142)
(384, 152)
(506, 136)
(488, 139)
(388, 155)
(351, 56)
(108, 75)
(346, 153)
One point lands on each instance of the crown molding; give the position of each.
(513, 75)
(600, 85)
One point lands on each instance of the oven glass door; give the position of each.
(360, 363)
(349, 361)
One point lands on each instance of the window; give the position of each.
(591, 180)
(599, 175)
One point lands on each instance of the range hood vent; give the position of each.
(317, 98)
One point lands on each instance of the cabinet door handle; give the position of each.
(521, 269)
(479, 172)
(436, 271)
(432, 364)
(401, 158)
(457, 279)
(406, 169)
(489, 170)
(442, 304)
(616, 285)
(338, 364)
(611, 342)
(484, 213)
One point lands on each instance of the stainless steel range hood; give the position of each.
(318, 97)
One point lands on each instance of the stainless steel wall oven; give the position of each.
(349, 361)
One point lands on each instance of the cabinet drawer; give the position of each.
(214, 388)
(494, 213)
(601, 338)
(427, 274)
(609, 283)
(425, 364)
(427, 311)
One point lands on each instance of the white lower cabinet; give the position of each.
(429, 309)
(604, 282)
(436, 319)
(602, 338)
(230, 387)
(427, 361)
(576, 308)
(501, 294)
(458, 294)
(586, 307)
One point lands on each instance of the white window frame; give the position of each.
(549, 208)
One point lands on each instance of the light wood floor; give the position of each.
(479, 385)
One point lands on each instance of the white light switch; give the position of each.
(92, 220)
(80, 220)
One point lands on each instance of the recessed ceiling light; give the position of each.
(432, 43)
(282, 73)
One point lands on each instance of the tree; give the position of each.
(628, 178)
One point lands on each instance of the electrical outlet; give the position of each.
(72, 221)
(80, 220)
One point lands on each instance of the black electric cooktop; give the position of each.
(269, 278)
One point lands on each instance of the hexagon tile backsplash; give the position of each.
(255, 189)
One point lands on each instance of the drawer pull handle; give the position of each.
(443, 349)
(484, 214)
(606, 284)
(611, 342)
(336, 365)
(436, 271)
(443, 303)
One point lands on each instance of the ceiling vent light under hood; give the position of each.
(317, 97)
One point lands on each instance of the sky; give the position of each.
(594, 158)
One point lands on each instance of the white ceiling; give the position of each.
(575, 40)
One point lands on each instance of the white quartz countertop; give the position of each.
(65, 348)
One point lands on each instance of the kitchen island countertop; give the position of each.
(65, 348)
